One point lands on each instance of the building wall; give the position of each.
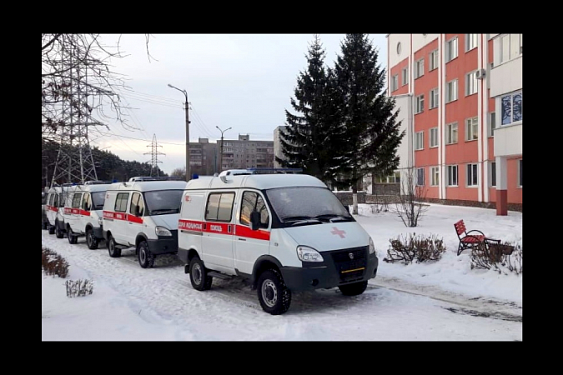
(244, 153)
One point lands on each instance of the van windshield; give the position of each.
(98, 197)
(163, 202)
(307, 205)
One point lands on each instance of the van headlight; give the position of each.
(371, 246)
(307, 254)
(161, 231)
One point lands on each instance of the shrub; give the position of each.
(497, 260)
(53, 263)
(79, 288)
(415, 248)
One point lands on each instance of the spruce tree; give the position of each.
(372, 132)
(307, 141)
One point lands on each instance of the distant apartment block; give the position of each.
(245, 153)
(459, 98)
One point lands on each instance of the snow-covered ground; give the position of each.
(432, 301)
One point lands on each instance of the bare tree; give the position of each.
(410, 206)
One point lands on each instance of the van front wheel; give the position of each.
(91, 240)
(273, 295)
(113, 251)
(353, 289)
(198, 275)
(146, 258)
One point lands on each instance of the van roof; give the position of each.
(94, 188)
(148, 185)
(257, 181)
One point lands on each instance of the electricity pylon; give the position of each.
(154, 155)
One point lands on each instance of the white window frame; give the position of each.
(452, 175)
(420, 176)
(502, 109)
(433, 60)
(434, 142)
(419, 104)
(419, 68)
(492, 124)
(492, 174)
(451, 133)
(471, 83)
(405, 75)
(451, 91)
(419, 140)
(472, 175)
(451, 49)
(471, 41)
(509, 47)
(434, 176)
(394, 82)
(434, 98)
(472, 129)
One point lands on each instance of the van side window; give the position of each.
(76, 200)
(87, 202)
(219, 206)
(253, 201)
(137, 205)
(121, 202)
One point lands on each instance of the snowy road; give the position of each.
(132, 303)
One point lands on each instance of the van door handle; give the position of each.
(242, 239)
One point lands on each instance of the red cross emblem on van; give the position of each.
(338, 232)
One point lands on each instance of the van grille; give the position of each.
(350, 263)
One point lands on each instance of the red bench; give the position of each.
(472, 239)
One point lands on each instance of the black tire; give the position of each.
(51, 229)
(198, 275)
(58, 231)
(353, 289)
(273, 295)
(113, 251)
(146, 258)
(72, 239)
(91, 240)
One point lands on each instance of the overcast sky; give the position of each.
(242, 81)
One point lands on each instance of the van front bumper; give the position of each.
(164, 244)
(337, 269)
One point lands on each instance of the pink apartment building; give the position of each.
(460, 100)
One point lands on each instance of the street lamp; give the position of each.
(188, 175)
(221, 155)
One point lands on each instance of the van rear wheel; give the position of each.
(273, 295)
(113, 251)
(198, 275)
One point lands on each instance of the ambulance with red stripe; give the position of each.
(143, 213)
(54, 206)
(83, 212)
(283, 232)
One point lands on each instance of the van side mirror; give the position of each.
(254, 220)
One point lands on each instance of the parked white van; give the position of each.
(56, 197)
(284, 232)
(143, 214)
(83, 212)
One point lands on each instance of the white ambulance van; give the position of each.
(142, 214)
(83, 212)
(284, 232)
(54, 206)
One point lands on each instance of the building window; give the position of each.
(419, 68)
(511, 108)
(435, 176)
(420, 176)
(493, 174)
(492, 124)
(472, 175)
(419, 104)
(471, 41)
(434, 137)
(510, 47)
(471, 127)
(433, 99)
(520, 173)
(433, 60)
(395, 82)
(452, 175)
(471, 83)
(451, 91)
(419, 141)
(405, 73)
(451, 49)
(451, 133)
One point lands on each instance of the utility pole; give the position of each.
(221, 154)
(188, 175)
